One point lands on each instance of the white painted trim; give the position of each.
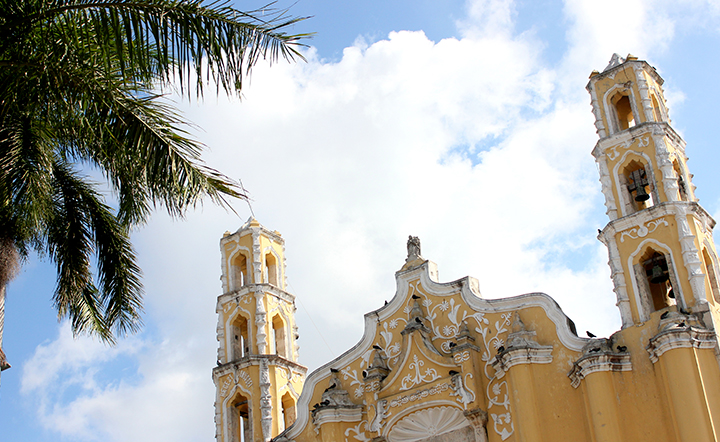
(681, 337)
(592, 363)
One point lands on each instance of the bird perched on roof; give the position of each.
(590, 335)
(415, 297)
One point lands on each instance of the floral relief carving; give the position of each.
(492, 339)
(418, 377)
(642, 230)
(643, 141)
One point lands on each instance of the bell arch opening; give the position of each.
(711, 275)
(278, 337)
(242, 418)
(682, 184)
(239, 271)
(288, 411)
(271, 269)
(621, 111)
(658, 113)
(637, 186)
(240, 338)
(656, 281)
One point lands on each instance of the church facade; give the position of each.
(440, 363)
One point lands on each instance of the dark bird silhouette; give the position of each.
(453, 372)
(386, 303)
(621, 348)
(218, 362)
(501, 349)
(415, 297)
(664, 315)
(599, 231)
(590, 335)
(377, 347)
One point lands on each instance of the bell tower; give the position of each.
(257, 378)
(659, 239)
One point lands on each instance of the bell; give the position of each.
(638, 182)
(657, 274)
(641, 195)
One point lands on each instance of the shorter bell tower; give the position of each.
(257, 378)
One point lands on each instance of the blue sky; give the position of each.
(463, 122)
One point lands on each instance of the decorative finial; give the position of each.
(413, 248)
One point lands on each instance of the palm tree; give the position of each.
(78, 94)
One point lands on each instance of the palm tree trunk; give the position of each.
(9, 262)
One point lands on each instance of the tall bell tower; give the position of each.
(659, 238)
(257, 378)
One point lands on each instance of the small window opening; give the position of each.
(239, 271)
(278, 341)
(682, 186)
(288, 412)
(623, 112)
(712, 276)
(240, 341)
(244, 419)
(271, 269)
(662, 293)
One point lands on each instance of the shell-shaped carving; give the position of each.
(428, 422)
